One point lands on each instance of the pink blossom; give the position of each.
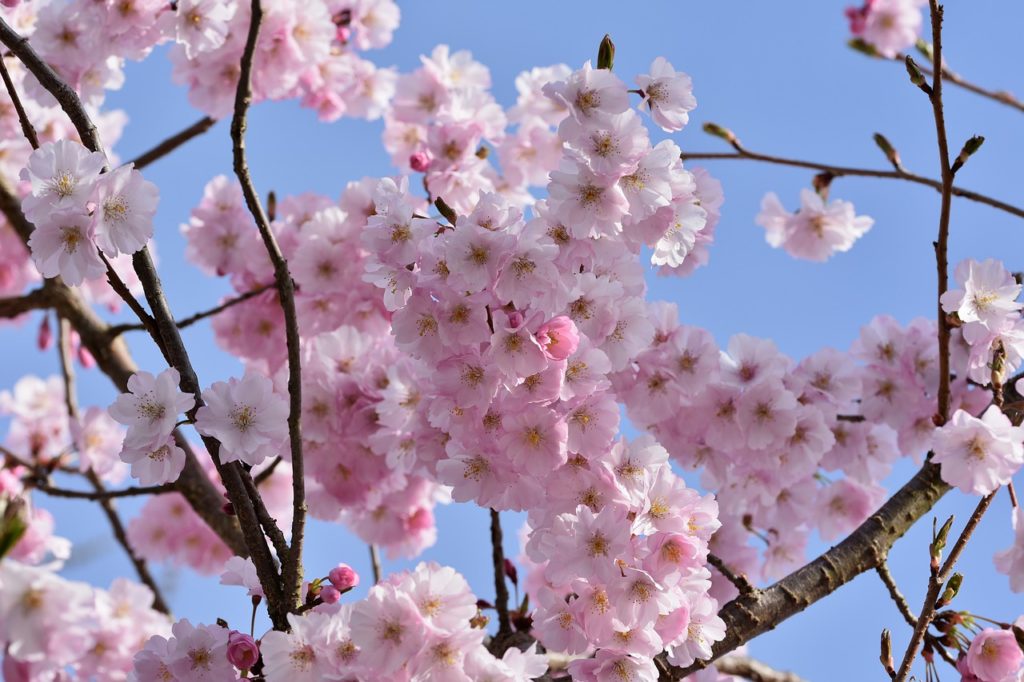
(343, 577)
(61, 175)
(558, 338)
(150, 410)
(246, 416)
(979, 455)
(994, 655)
(125, 206)
(988, 296)
(64, 245)
(669, 95)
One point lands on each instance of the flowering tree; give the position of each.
(469, 330)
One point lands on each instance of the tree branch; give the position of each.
(118, 329)
(894, 591)
(375, 563)
(18, 305)
(750, 615)
(53, 491)
(848, 171)
(291, 572)
(500, 586)
(26, 125)
(173, 142)
(740, 581)
(754, 670)
(71, 402)
(935, 583)
(1000, 96)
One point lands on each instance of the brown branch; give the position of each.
(104, 494)
(19, 305)
(118, 329)
(500, 586)
(754, 670)
(740, 581)
(67, 372)
(193, 479)
(267, 522)
(1000, 96)
(26, 125)
(894, 591)
(173, 142)
(942, 243)
(748, 616)
(375, 563)
(262, 476)
(848, 171)
(291, 571)
(935, 583)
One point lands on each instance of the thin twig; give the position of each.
(291, 571)
(740, 581)
(267, 522)
(935, 584)
(104, 494)
(375, 563)
(1000, 96)
(26, 125)
(894, 591)
(262, 476)
(118, 329)
(841, 171)
(500, 586)
(173, 142)
(106, 504)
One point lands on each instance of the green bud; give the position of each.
(970, 147)
(940, 538)
(719, 131)
(13, 525)
(952, 587)
(862, 46)
(925, 49)
(890, 152)
(916, 77)
(606, 53)
(447, 211)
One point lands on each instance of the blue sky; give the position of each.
(780, 76)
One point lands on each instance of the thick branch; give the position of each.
(173, 142)
(754, 670)
(748, 616)
(291, 572)
(18, 305)
(840, 171)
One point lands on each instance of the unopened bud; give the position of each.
(329, 594)
(916, 77)
(862, 46)
(44, 340)
(970, 147)
(821, 182)
(447, 211)
(271, 205)
(719, 131)
(13, 524)
(420, 162)
(890, 152)
(939, 542)
(886, 653)
(606, 53)
(343, 577)
(925, 49)
(952, 587)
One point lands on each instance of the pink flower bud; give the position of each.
(422, 519)
(44, 340)
(515, 318)
(85, 358)
(10, 3)
(343, 577)
(558, 337)
(420, 162)
(343, 34)
(243, 652)
(329, 594)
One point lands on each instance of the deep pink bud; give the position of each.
(343, 577)
(10, 3)
(422, 519)
(558, 337)
(420, 162)
(329, 594)
(515, 318)
(85, 358)
(343, 34)
(243, 652)
(45, 337)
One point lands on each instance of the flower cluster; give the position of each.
(50, 627)
(816, 231)
(78, 212)
(763, 430)
(992, 330)
(888, 26)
